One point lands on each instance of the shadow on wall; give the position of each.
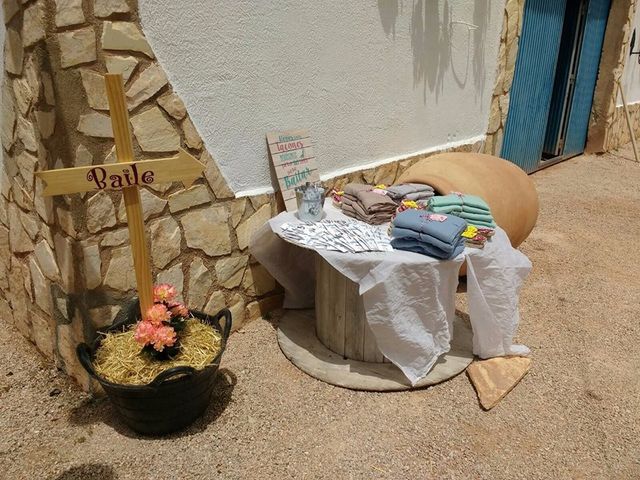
(472, 36)
(389, 11)
(431, 45)
(481, 18)
(437, 39)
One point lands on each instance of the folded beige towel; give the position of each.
(374, 202)
(355, 210)
(354, 188)
(349, 197)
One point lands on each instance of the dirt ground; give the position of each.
(575, 415)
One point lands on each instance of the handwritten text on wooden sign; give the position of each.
(182, 167)
(128, 177)
(294, 162)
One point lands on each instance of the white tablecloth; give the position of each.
(410, 298)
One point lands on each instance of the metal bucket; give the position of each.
(310, 200)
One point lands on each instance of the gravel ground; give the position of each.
(576, 415)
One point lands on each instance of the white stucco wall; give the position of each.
(631, 74)
(373, 81)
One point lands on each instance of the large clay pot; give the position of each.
(507, 189)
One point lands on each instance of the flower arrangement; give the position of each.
(169, 335)
(158, 331)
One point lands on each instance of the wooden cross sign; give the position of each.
(126, 175)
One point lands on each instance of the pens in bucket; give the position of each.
(310, 199)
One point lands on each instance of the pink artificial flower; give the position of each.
(165, 336)
(179, 310)
(164, 293)
(145, 333)
(158, 314)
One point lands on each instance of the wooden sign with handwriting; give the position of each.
(292, 156)
(121, 175)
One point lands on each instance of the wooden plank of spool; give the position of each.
(337, 287)
(354, 322)
(370, 352)
(323, 309)
(341, 323)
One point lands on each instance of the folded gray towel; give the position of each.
(401, 191)
(419, 196)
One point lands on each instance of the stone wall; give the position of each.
(66, 265)
(618, 131)
(509, 38)
(608, 128)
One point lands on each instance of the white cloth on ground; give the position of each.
(409, 298)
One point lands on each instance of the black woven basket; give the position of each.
(167, 404)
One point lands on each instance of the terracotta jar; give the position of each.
(507, 189)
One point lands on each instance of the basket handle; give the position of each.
(227, 322)
(84, 355)
(172, 372)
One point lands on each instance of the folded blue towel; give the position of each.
(417, 246)
(405, 233)
(448, 231)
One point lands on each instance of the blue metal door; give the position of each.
(596, 22)
(566, 69)
(530, 96)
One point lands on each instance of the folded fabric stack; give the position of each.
(410, 204)
(470, 207)
(363, 203)
(433, 234)
(417, 192)
(407, 205)
(475, 237)
(336, 197)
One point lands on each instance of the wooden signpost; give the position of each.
(122, 174)
(292, 156)
(126, 175)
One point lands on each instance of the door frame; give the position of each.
(613, 58)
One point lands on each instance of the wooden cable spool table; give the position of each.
(335, 344)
